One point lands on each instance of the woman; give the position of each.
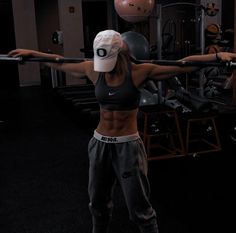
(116, 151)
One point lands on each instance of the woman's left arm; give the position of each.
(159, 72)
(221, 56)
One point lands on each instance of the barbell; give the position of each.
(4, 57)
(22, 60)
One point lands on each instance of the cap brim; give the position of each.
(104, 65)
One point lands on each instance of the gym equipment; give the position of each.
(200, 15)
(211, 91)
(81, 99)
(22, 60)
(213, 48)
(213, 30)
(232, 134)
(148, 98)
(161, 133)
(135, 10)
(4, 57)
(177, 105)
(193, 101)
(149, 94)
(137, 43)
(201, 134)
(211, 9)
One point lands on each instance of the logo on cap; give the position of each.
(101, 52)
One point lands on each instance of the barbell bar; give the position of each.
(4, 57)
(227, 64)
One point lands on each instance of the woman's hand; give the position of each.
(21, 53)
(225, 56)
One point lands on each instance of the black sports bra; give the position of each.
(126, 96)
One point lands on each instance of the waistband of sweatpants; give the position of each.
(119, 139)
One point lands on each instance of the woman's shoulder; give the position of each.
(139, 73)
(142, 68)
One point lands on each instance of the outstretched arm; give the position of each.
(159, 72)
(74, 68)
(34, 53)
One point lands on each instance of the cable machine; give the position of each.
(201, 19)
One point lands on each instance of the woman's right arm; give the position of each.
(73, 68)
(34, 53)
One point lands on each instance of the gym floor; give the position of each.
(44, 174)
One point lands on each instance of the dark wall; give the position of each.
(227, 14)
(9, 71)
(228, 21)
(47, 20)
(93, 22)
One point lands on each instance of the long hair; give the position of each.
(123, 61)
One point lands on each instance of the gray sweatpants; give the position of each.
(125, 162)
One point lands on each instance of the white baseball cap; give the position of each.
(106, 47)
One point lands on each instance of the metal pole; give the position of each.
(234, 73)
(159, 47)
(202, 31)
(159, 36)
(202, 42)
(54, 78)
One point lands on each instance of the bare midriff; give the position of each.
(117, 123)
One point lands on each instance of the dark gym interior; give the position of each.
(45, 128)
